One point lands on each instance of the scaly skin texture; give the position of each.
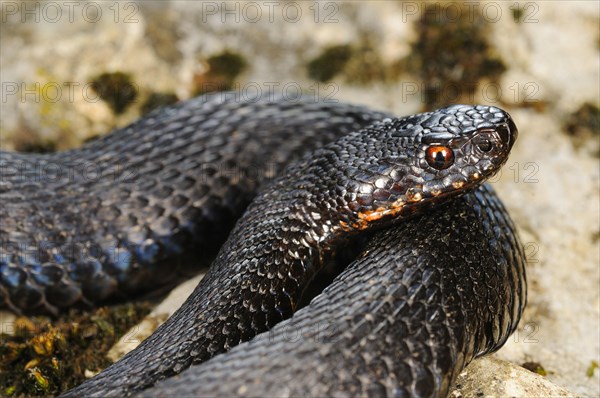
(369, 179)
(150, 203)
(394, 323)
(162, 193)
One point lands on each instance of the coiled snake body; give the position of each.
(441, 282)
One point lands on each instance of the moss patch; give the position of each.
(330, 62)
(517, 12)
(158, 100)
(583, 126)
(451, 55)
(591, 369)
(34, 145)
(535, 368)
(51, 115)
(222, 71)
(116, 89)
(47, 358)
(358, 64)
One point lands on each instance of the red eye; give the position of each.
(439, 157)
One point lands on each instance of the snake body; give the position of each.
(454, 278)
(141, 206)
(416, 331)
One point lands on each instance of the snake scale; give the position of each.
(438, 280)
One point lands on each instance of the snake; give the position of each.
(272, 193)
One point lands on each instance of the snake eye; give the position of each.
(439, 157)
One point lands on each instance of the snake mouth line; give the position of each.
(367, 217)
(381, 212)
(412, 197)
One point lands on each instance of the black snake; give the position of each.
(439, 282)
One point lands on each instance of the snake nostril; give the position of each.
(509, 133)
(484, 146)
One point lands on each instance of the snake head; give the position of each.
(426, 159)
(462, 146)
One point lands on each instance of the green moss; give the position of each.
(359, 63)
(452, 55)
(535, 368)
(227, 64)
(583, 126)
(585, 119)
(116, 89)
(51, 111)
(366, 66)
(517, 12)
(39, 146)
(330, 62)
(590, 370)
(92, 138)
(158, 100)
(47, 358)
(223, 69)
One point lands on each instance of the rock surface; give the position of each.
(490, 377)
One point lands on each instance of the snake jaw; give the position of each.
(366, 218)
(414, 194)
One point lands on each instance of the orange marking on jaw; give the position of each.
(345, 226)
(414, 195)
(367, 217)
